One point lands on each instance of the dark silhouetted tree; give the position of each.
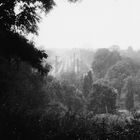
(27, 15)
(15, 48)
(17, 19)
(22, 96)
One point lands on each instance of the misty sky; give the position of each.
(92, 23)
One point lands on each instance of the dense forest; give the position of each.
(98, 98)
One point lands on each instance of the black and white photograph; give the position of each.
(69, 69)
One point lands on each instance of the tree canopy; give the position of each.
(17, 19)
(104, 59)
(27, 16)
(102, 99)
(118, 73)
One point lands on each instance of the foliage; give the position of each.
(19, 49)
(21, 89)
(104, 59)
(102, 99)
(87, 84)
(72, 78)
(129, 90)
(39, 107)
(71, 126)
(17, 19)
(118, 72)
(65, 94)
(26, 17)
(136, 89)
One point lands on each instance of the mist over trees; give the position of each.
(80, 102)
(103, 59)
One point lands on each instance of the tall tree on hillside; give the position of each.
(118, 73)
(104, 59)
(137, 87)
(87, 84)
(129, 89)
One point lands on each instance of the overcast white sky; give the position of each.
(92, 23)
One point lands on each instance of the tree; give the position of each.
(118, 73)
(17, 19)
(71, 78)
(104, 59)
(137, 88)
(19, 49)
(64, 94)
(87, 84)
(22, 95)
(26, 17)
(129, 90)
(70, 96)
(16, 48)
(102, 99)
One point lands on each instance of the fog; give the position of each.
(94, 24)
(77, 77)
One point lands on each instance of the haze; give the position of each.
(91, 24)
